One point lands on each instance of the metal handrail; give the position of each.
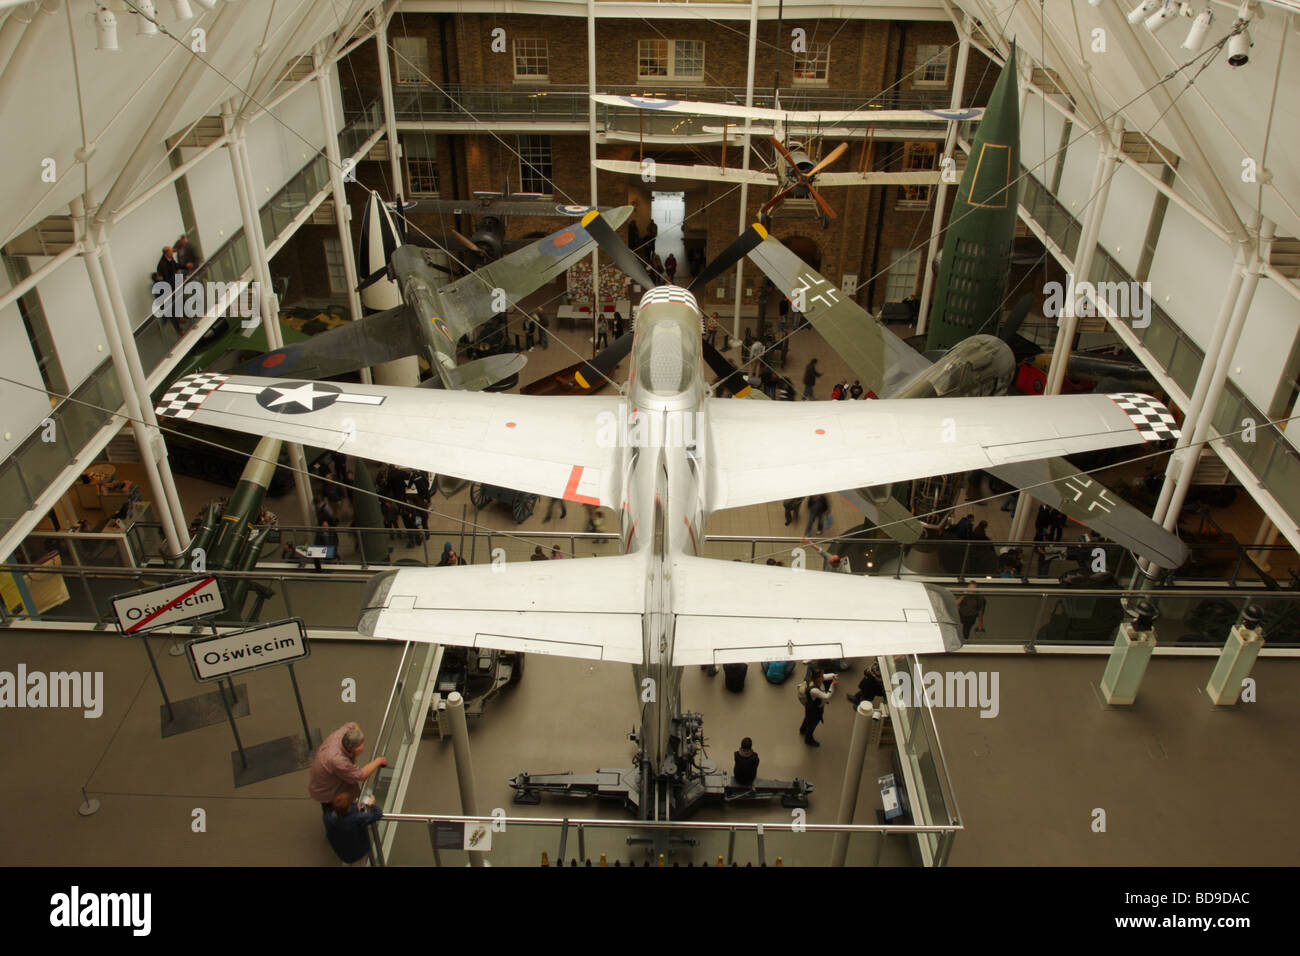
(677, 824)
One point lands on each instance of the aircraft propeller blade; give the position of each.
(600, 366)
(834, 154)
(785, 153)
(467, 243)
(748, 241)
(771, 203)
(822, 204)
(613, 246)
(729, 377)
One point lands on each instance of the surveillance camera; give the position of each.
(1200, 27)
(1239, 49)
(1162, 16)
(1142, 11)
(105, 30)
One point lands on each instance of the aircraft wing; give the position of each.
(828, 446)
(675, 171)
(823, 117)
(587, 607)
(544, 445)
(361, 343)
(472, 300)
(730, 613)
(911, 177)
(878, 357)
(1088, 501)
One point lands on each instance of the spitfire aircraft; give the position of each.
(978, 365)
(432, 317)
(796, 174)
(664, 454)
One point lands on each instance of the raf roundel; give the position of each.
(563, 242)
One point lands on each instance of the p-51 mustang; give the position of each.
(664, 455)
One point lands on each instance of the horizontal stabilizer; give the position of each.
(479, 374)
(588, 608)
(730, 613)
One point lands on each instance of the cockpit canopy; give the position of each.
(666, 356)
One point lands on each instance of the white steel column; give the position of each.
(591, 151)
(342, 211)
(744, 185)
(130, 398)
(270, 309)
(1090, 228)
(1173, 502)
(139, 383)
(390, 117)
(941, 195)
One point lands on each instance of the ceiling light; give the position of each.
(105, 30)
(1200, 27)
(148, 14)
(1162, 16)
(1142, 11)
(1239, 48)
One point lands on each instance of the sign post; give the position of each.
(222, 656)
(142, 612)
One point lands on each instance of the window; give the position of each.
(421, 156)
(532, 62)
(918, 156)
(334, 265)
(812, 68)
(902, 273)
(411, 59)
(535, 164)
(38, 329)
(671, 59)
(931, 65)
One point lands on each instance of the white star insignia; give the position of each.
(304, 395)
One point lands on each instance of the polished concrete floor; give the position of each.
(1179, 782)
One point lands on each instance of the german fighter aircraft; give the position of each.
(664, 454)
(976, 366)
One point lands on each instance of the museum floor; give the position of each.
(1180, 782)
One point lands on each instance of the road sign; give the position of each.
(212, 658)
(157, 607)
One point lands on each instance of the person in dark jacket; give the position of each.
(734, 676)
(810, 376)
(792, 506)
(870, 687)
(815, 705)
(818, 506)
(745, 769)
(347, 828)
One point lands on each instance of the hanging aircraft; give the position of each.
(978, 365)
(664, 454)
(796, 175)
(433, 317)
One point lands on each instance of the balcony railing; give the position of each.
(1271, 458)
(36, 464)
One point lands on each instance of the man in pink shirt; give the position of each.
(335, 767)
